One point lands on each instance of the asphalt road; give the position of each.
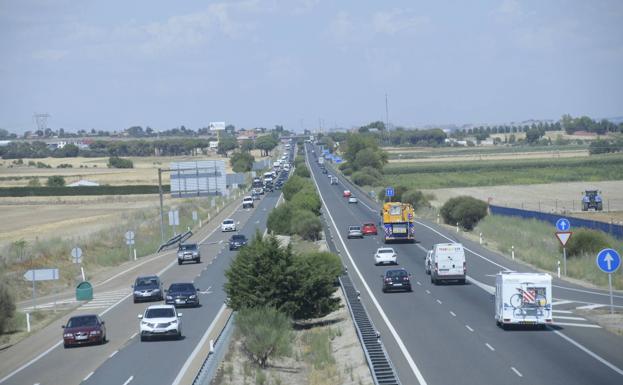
(125, 357)
(447, 334)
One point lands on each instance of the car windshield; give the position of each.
(368, 224)
(354, 228)
(181, 287)
(160, 313)
(148, 281)
(82, 321)
(396, 273)
(228, 221)
(385, 251)
(188, 247)
(238, 238)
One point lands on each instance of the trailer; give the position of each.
(523, 299)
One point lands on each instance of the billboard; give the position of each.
(216, 126)
(199, 178)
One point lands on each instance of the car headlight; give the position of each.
(169, 297)
(173, 322)
(192, 296)
(155, 291)
(95, 332)
(137, 292)
(68, 335)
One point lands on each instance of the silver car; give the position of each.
(355, 232)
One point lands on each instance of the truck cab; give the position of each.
(446, 262)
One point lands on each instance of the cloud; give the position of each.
(51, 55)
(397, 21)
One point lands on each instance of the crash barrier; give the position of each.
(176, 239)
(210, 366)
(610, 228)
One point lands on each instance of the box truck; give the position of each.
(523, 299)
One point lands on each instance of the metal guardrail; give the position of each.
(383, 372)
(176, 239)
(211, 363)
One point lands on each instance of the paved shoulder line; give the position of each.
(401, 345)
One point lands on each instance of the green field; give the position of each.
(504, 172)
(428, 152)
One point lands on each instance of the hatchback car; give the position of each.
(237, 241)
(352, 199)
(182, 294)
(385, 255)
(397, 279)
(160, 321)
(354, 232)
(369, 229)
(84, 329)
(147, 288)
(188, 252)
(247, 202)
(228, 225)
(346, 194)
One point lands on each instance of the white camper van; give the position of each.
(446, 262)
(523, 298)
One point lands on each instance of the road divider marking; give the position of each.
(577, 325)
(562, 302)
(590, 307)
(427, 291)
(88, 376)
(128, 380)
(516, 371)
(469, 328)
(439, 302)
(562, 311)
(452, 313)
(490, 347)
(113, 354)
(571, 318)
(133, 335)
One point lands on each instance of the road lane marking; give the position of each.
(469, 328)
(113, 353)
(587, 291)
(88, 376)
(516, 371)
(590, 353)
(133, 335)
(453, 315)
(399, 342)
(590, 307)
(128, 380)
(578, 325)
(562, 311)
(562, 302)
(422, 247)
(490, 347)
(439, 302)
(571, 318)
(427, 291)
(198, 347)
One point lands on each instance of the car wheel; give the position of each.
(66, 346)
(384, 290)
(432, 280)
(143, 338)
(462, 281)
(179, 335)
(135, 301)
(198, 260)
(179, 262)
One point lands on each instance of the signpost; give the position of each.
(563, 234)
(35, 275)
(174, 220)
(129, 240)
(389, 192)
(76, 255)
(608, 260)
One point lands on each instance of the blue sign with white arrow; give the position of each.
(389, 192)
(563, 224)
(608, 260)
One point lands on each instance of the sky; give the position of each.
(303, 63)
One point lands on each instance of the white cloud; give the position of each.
(397, 21)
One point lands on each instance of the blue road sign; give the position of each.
(608, 260)
(389, 192)
(563, 224)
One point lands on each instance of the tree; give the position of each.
(416, 198)
(464, 210)
(7, 306)
(55, 181)
(307, 200)
(241, 161)
(316, 284)
(266, 333)
(225, 144)
(302, 171)
(306, 225)
(117, 162)
(247, 145)
(279, 219)
(294, 185)
(266, 143)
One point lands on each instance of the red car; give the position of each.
(369, 229)
(84, 329)
(347, 194)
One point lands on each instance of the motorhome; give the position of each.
(523, 299)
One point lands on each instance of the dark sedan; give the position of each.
(147, 288)
(237, 241)
(396, 279)
(182, 294)
(84, 329)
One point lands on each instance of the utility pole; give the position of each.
(161, 205)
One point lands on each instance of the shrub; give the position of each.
(367, 176)
(307, 200)
(416, 198)
(65, 165)
(302, 171)
(585, 242)
(116, 162)
(55, 181)
(398, 191)
(241, 161)
(294, 185)
(279, 220)
(306, 225)
(34, 182)
(266, 333)
(7, 306)
(318, 272)
(464, 210)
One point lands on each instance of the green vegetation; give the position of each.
(505, 172)
(266, 333)
(116, 162)
(464, 211)
(536, 244)
(7, 306)
(55, 181)
(226, 143)
(266, 143)
(586, 242)
(605, 146)
(318, 348)
(32, 190)
(241, 161)
(428, 153)
(265, 274)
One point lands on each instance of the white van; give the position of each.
(523, 299)
(446, 262)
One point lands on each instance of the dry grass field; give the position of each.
(495, 156)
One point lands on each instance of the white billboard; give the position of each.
(216, 126)
(200, 178)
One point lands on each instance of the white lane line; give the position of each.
(590, 307)
(399, 342)
(571, 318)
(113, 353)
(88, 376)
(490, 347)
(453, 315)
(439, 302)
(200, 344)
(31, 361)
(489, 289)
(562, 302)
(422, 247)
(133, 335)
(128, 380)
(562, 311)
(427, 291)
(516, 371)
(419, 284)
(587, 291)
(577, 325)
(590, 353)
(469, 328)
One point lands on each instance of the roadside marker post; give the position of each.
(129, 240)
(563, 234)
(609, 260)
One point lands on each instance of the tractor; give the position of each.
(592, 200)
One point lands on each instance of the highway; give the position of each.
(125, 359)
(446, 334)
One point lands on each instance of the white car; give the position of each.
(160, 321)
(228, 225)
(385, 255)
(247, 202)
(352, 199)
